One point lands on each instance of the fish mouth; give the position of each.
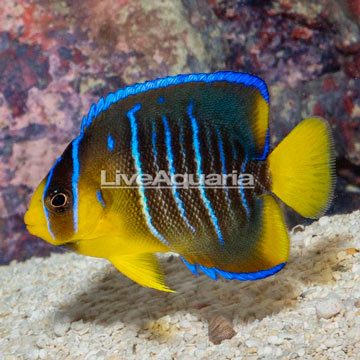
(32, 224)
(26, 219)
(37, 229)
(31, 228)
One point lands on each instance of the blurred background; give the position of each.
(58, 57)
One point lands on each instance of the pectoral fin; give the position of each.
(141, 268)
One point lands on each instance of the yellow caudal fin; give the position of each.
(302, 168)
(141, 268)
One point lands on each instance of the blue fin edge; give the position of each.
(232, 77)
(191, 267)
(213, 272)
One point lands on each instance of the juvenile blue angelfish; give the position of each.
(205, 137)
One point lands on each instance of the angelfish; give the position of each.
(196, 124)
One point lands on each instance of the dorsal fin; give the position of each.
(253, 122)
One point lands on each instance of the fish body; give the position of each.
(210, 129)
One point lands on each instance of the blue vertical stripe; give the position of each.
(243, 168)
(221, 149)
(181, 138)
(182, 148)
(241, 189)
(136, 155)
(44, 196)
(153, 141)
(170, 157)
(100, 198)
(223, 164)
(234, 150)
(198, 159)
(110, 143)
(75, 180)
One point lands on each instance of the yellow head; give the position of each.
(67, 205)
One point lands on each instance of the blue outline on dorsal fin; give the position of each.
(212, 272)
(100, 106)
(83, 124)
(110, 99)
(229, 76)
(90, 117)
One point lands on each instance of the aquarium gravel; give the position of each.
(69, 306)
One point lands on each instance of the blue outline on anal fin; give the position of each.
(250, 276)
(191, 267)
(212, 272)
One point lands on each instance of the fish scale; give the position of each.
(192, 197)
(168, 222)
(208, 154)
(223, 168)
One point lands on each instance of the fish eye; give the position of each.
(58, 200)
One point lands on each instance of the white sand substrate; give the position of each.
(75, 307)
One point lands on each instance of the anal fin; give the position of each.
(273, 244)
(143, 268)
(269, 255)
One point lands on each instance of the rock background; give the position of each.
(58, 57)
